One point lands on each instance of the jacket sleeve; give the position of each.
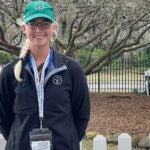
(80, 100)
(6, 102)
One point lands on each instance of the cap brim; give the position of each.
(40, 15)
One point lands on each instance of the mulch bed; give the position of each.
(116, 113)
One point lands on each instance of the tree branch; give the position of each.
(9, 48)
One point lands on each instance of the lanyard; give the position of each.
(39, 82)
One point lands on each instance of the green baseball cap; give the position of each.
(37, 9)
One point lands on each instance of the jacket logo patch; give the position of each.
(57, 80)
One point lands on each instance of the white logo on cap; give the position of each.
(39, 6)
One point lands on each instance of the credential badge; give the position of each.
(57, 80)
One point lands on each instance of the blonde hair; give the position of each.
(23, 53)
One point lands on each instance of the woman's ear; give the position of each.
(53, 27)
(23, 28)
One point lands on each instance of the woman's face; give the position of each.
(39, 31)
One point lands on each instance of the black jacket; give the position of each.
(66, 104)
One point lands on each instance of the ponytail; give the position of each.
(18, 66)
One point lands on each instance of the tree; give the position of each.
(117, 26)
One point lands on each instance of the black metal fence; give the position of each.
(120, 76)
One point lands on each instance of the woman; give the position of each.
(43, 91)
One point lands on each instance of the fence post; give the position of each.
(124, 142)
(99, 143)
(98, 81)
(2, 142)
